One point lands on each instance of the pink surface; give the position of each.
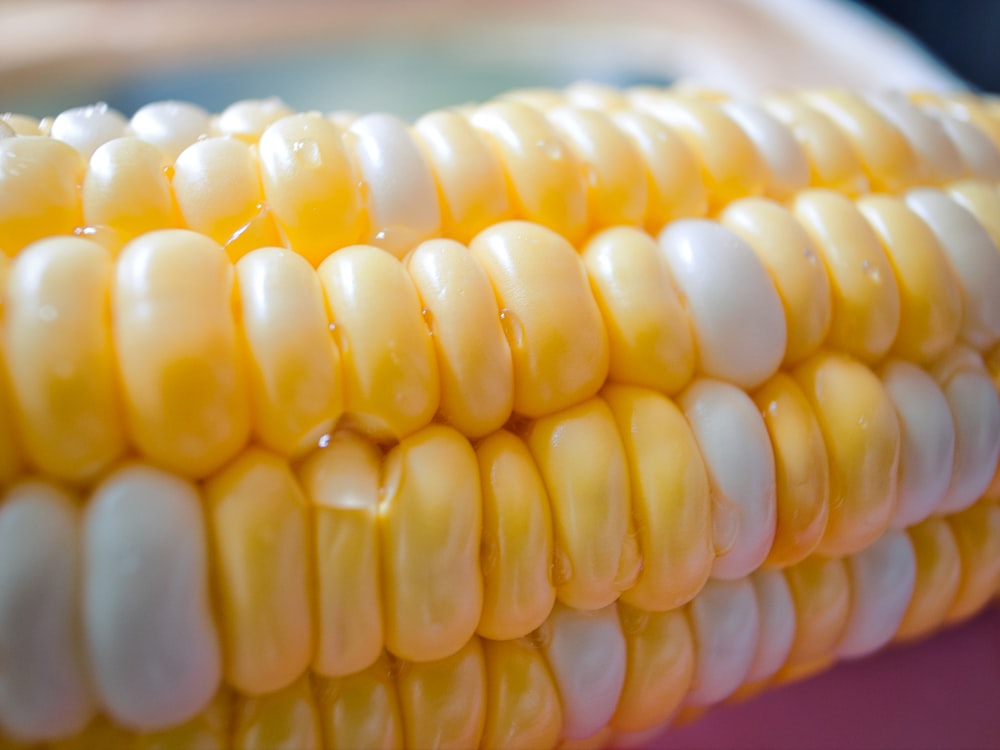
(943, 692)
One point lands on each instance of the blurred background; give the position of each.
(408, 56)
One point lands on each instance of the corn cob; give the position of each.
(533, 422)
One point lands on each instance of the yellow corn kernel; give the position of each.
(284, 720)
(790, 258)
(930, 299)
(730, 165)
(966, 108)
(341, 482)
(249, 118)
(174, 334)
(45, 688)
(725, 624)
(833, 162)
(127, 188)
(517, 545)
(649, 337)
(87, 128)
(293, 366)
(218, 193)
(522, 703)
(552, 323)
(595, 96)
(209, 730)
(582, 462)
(671, 503)
(258, 526)
(821, 591)
(660, 666)
(886, 156)
(310, 185)
(786, 170)
(615, 176)
(776, 611)
(400, 196)
(472, 187)
(673, 177)
(977, 534)
(443, 702)
(361, 709)
(430, 520)
(474, 360)
(10, 458)
(57, 344)
(545, 180)
(862, 437)
(390, 375)
(865, 295)
(982, 200)
(152, 644)
(171, 126)
(931, 145)
(802, 470)
(40, 181)
(939, 571)
(737, 451)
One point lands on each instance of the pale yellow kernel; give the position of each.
(977, 533)
(802, 470)
(595, 96)
(613, 167)
(21, 124)
(517, 546)
(39, 190)
(798, 273)
(546, 181)
(361, 709)
(833, 162)
(673, 178)
(218, 193)
(171, 126)
(293, 367)
(57, 343)
(886, 156)
(582, 461)
(127, 188)
(862, 437)
(522, 704)
(473, 356)
(182, 375)
(310, 185)
(551, 321)
(649, 336)
(283, 720)
(671, 503)
(471, 183)
(864, 292)
(821, 593)
(930, 298)
(257, 518)
(731, 168)
(248, 118)
(982, 200)
(430, 523)
(661, 657)
(391, 385)
(443, 702)
(939, 571)
(341, 483)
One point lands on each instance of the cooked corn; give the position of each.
(545, 421)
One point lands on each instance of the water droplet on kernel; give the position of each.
(871, 271)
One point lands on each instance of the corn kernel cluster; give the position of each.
(534, 423)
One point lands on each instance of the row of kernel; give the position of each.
(903, 276)
(317, 185)
(734, 638)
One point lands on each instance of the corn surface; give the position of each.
(530, 423)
